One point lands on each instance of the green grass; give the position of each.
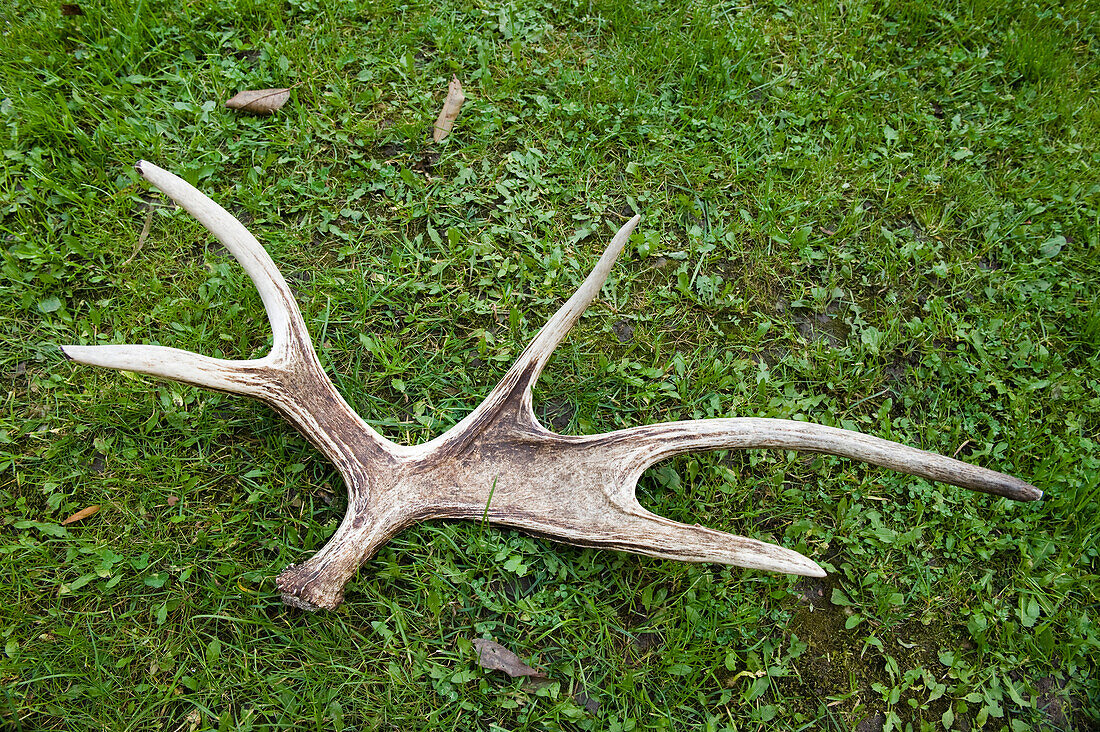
(877, 215)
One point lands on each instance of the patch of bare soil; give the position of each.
(824, 328)
(839, 667)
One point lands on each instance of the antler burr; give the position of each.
(499, 462)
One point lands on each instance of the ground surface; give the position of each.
(880, 215)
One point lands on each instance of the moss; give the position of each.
(840, 667)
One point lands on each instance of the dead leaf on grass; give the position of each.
(582, 699)
(143, 235)
(259, 101)
(69, 10)
(81, 514)
(449, 113)
(495, 657)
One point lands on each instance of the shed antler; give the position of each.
(498, 462)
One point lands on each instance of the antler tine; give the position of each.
(265, 378)
(241, 377)
(282, 310)
(647, 533)
(534, 358)
(521, 378)
(656, 442)
(237, 377)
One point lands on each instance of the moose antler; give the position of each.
(498, 463)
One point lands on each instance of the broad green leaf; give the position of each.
(1049, 248)
(45, 528)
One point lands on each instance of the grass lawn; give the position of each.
(880, 215)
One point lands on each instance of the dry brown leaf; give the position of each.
(143, 235)
(449, 113)
(582, 699)
(259, 101)
(495, 657)
(81, 514)
(173, 500)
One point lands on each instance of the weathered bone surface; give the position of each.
(498, 462)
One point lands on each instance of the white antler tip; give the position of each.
(814, 571)
(792, 562)
(628, 228)
(75, 353)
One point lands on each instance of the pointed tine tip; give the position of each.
(813, 570)
(1012, 488)
(80, 354)
(1028, 492)
(775, 558)
(157, 176)
(147, 171)
(622, 236)
(629, 226)
(794, 563)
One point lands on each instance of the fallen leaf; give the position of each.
(81, 514)
(143, 235)
(46, 528)
(70, 9)
(173, 500)
(259, 101)
(495, 657)
(449, 113)
(582, 699)
(49, 305)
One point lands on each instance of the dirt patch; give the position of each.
(840, 664)
(812, 590)
(1051, 701)
(645, 642)
(624, 331)
(873, 723)
(896, 371)
(639, 641)
(556, 414)
(822, 327)
(389, 150)
(514, 588)
(426, 161)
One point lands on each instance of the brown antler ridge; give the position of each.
(498, 462)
